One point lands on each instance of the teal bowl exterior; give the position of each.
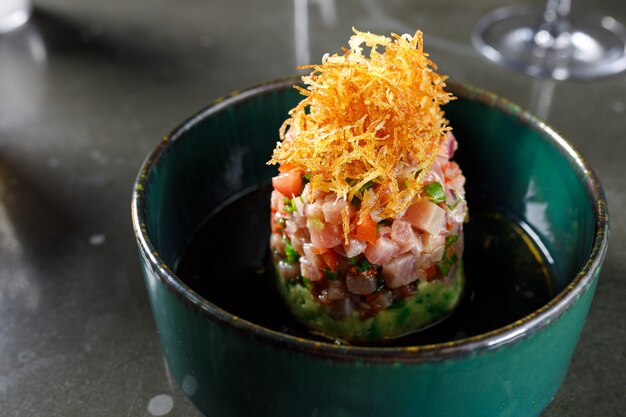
(230, 367)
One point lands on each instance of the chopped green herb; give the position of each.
(435, 192)
(290, 205)
(453, 206)
(447, 263)
(366, 186)
(331, 275)
(356, 199)
(306, 177)
(364, 265)
(451, 239)
(291, 254)
(293, 282)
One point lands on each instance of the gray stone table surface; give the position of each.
(88, 87)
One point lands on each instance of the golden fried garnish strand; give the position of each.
(369, 127)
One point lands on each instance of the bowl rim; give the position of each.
(494, 339)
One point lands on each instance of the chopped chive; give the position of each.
(451, 239)
(445, 265)
(331, 275)
(293, 282)
(307, 282)
(453, 206)
(435, 192)
(364, 265)
(291, 254)
(290, 205)
(366, 187)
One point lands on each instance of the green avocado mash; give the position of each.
(432, 302)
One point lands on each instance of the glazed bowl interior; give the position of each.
(510, 160)
(518, 163)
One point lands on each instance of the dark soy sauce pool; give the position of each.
(506, 275)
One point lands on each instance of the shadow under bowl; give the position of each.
(231, 366)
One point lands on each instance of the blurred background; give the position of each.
(88, 87)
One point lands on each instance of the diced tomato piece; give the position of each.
(331, 259)
(431, 273)
(318, 251)
(366, 230)
(286, 168)
(288, 183)
(276, 223)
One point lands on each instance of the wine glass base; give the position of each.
(595, 47)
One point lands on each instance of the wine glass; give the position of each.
(552, 43)
(14, 14)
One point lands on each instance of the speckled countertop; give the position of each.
(88, 87)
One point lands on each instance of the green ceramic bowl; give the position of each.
(231, 366)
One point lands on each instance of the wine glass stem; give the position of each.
(554, 30)
(556, 9)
